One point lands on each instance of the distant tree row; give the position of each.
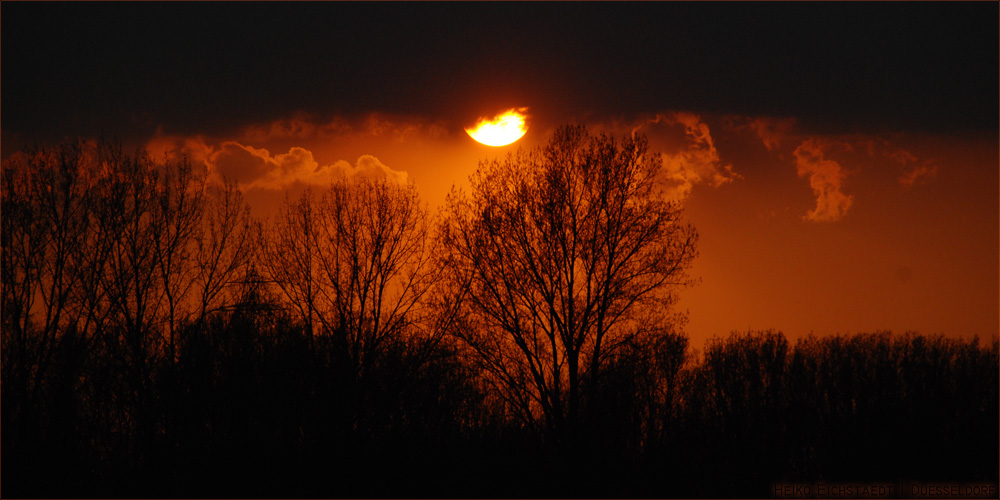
(159, 341)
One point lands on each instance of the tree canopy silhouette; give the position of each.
(561, 254)
(153, 343)
(355, 262)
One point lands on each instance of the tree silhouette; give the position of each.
(356, 263)
(224, 248)
(562, 255)
(51, 255)
(155, 340)
(48, 264)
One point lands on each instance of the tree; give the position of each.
(224, 249)
(105, 254)
(562, 254)
(50, 257)
(355, 263)
(177, 212)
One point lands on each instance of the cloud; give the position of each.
(258, 168)
(243, 164)
(402, 129)
(770, 130)
(912, 174)
(825, 177)
(900, 156)
(298, 126)
(173, 147)
(691, 157)
(369, 166)
(918, 175)
(303, 126)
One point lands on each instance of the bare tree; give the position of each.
(47, 206)
(177, 211)
(132, 280)
(563, 253)
(357, 262)
(224, 246)
(286, 255)
(374, 251)
(82, 238)
(55, 253)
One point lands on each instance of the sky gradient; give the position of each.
(840, 161)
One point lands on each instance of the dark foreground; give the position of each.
(252, 408)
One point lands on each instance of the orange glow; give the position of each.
(503, 129)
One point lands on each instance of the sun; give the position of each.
(503, 129)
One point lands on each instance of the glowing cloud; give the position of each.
(825, 177)
(505, 128)
(258, 168)
(367, 166)
(693, 158)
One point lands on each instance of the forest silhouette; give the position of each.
(159, 341)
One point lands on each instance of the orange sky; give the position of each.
(839, 159)
(798, 232)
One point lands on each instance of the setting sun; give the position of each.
(505, 128)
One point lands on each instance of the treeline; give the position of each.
(250, 409)
(158, 341)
